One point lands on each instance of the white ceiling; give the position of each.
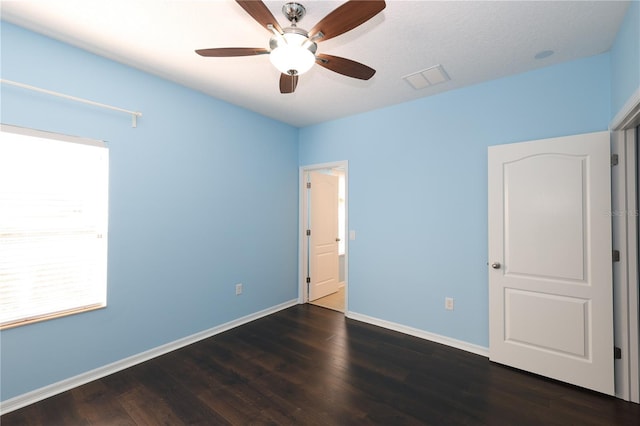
(474, 41)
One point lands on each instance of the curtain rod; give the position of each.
(134, 114)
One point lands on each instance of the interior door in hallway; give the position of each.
(550, 272)
(323, 241)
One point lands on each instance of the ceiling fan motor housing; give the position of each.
(294, 12)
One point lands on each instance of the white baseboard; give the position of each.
(81, 379)
(458, 344)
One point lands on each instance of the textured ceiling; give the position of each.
(474, 41)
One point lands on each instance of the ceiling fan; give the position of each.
(292, 50)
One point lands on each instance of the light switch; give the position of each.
(352, 235)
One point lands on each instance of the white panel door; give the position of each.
(550, 274)
(323, 242)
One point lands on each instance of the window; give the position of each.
(53, 225)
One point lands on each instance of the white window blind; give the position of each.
(53, 225)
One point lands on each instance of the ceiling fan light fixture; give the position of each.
(292, 53)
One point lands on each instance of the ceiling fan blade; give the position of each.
(345, 66)
(259, 11)
(224, 52)
(288, 83)
(347, 17)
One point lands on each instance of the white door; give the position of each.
(550, 272)
(323, 241)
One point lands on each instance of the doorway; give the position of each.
(626, 235)
(315, 255)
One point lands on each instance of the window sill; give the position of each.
(40, 318)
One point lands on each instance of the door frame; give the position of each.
(625, 239)
(303, 252)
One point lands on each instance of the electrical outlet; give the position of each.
(238, 289)
(448, 303)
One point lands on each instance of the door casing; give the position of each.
(625, 183)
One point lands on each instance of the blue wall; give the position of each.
(418, 187)
(199, 201)
(625, 59)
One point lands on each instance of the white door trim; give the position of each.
(625, 272)
(629, 115)
(303, 295)
(625, 234)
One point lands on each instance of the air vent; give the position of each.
(427, 77)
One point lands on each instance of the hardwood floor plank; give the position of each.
(47, 412)
(308, 365)
(146, 408)
(177, 395)
(99, 405)
(218, 386)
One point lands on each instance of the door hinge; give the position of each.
(308, 232)
(308, 280)
(617, 353)
(308, 185)
(616, 255)
(614, 159)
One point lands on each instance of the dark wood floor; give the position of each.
(308, 365)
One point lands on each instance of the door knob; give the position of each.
(495, 265)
